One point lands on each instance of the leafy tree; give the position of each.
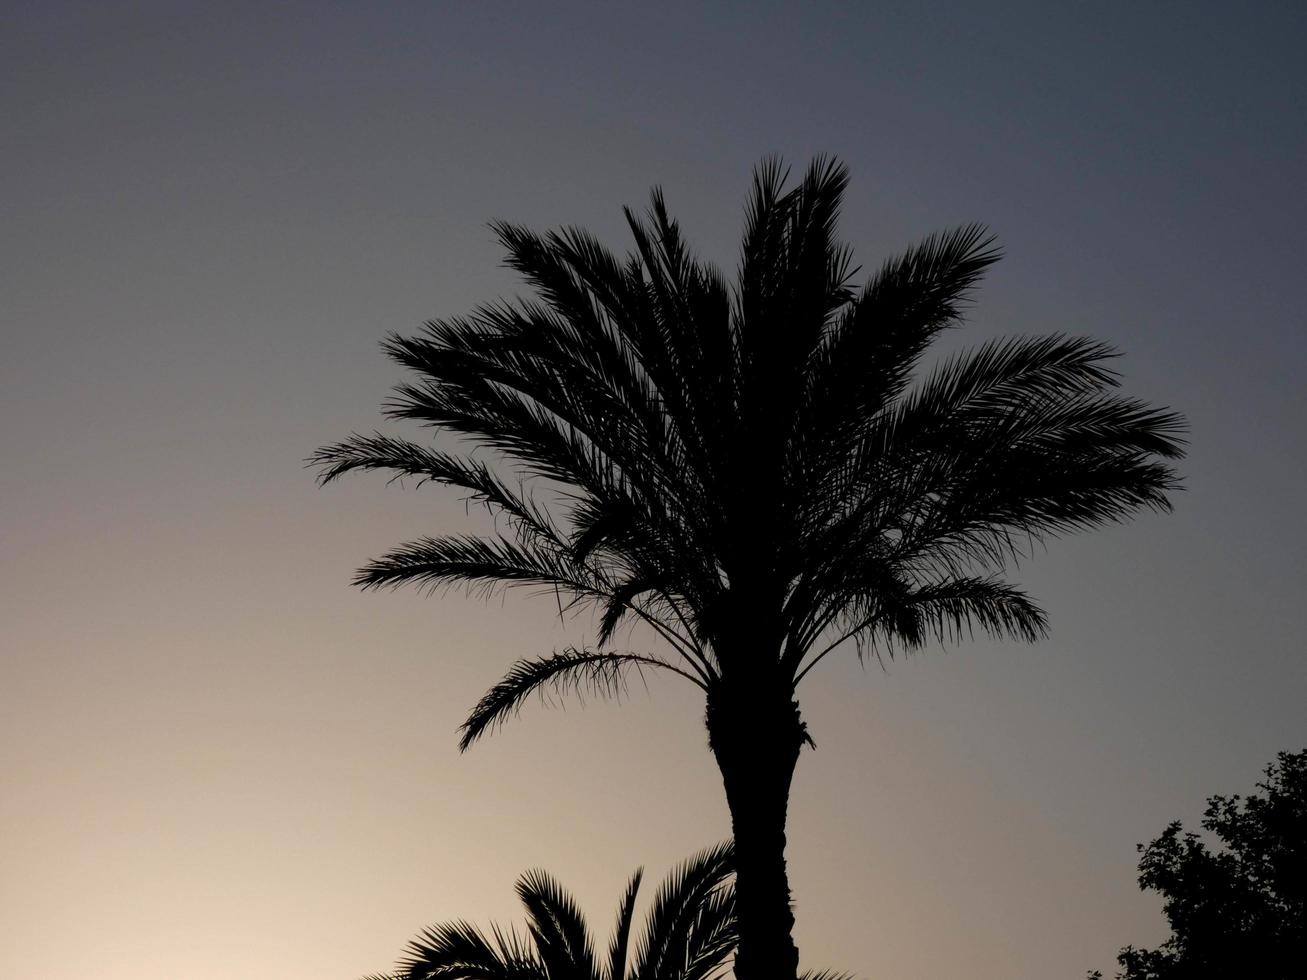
(1240, 911)
(690, 933)
(751, 471)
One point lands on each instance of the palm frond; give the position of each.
(689, 934)
(683, 339)
(793, 271)
(618, 604)
(713, 937)
(557, 927)
(993, 452)
(890, 613)
(572, 671)
(949, 610)
(459, 951)
(991, 375)
(665, 947)
(865, 358)
(595, 426)
(487, 563)
(1016, 461)
(617, 949)
(404, 458)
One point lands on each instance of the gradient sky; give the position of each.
(218, 761)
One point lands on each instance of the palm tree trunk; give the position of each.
(756, 741)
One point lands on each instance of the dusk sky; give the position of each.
(218, 760)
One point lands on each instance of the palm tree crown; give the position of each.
(757, 450)
(689, 934)
(756, 471)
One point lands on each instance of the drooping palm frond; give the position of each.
(900, 616)
(947, 610)
(570, 671)
(401, 457)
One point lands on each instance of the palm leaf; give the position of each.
(690, 933)
(476, 561)
(665, 947)
(713, 936)
(557, 927)
(404, 458)
(459, 951)
(893, 614)
(571, 671)
(617, 949)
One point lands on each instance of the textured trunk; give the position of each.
(756, 736)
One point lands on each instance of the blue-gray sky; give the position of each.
(218, 760)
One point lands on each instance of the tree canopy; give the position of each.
(1237, 909)
(761, 469)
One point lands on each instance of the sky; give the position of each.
(219, 760)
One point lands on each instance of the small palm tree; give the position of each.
(689, 934)
(757, 472)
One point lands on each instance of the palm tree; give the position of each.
(689, 934)
(756, 472)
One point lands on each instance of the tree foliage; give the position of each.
(761, 468)
(1238, 909)
(765, 451)
(689, 934)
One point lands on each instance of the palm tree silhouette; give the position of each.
(756, 472)
(689, 934)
